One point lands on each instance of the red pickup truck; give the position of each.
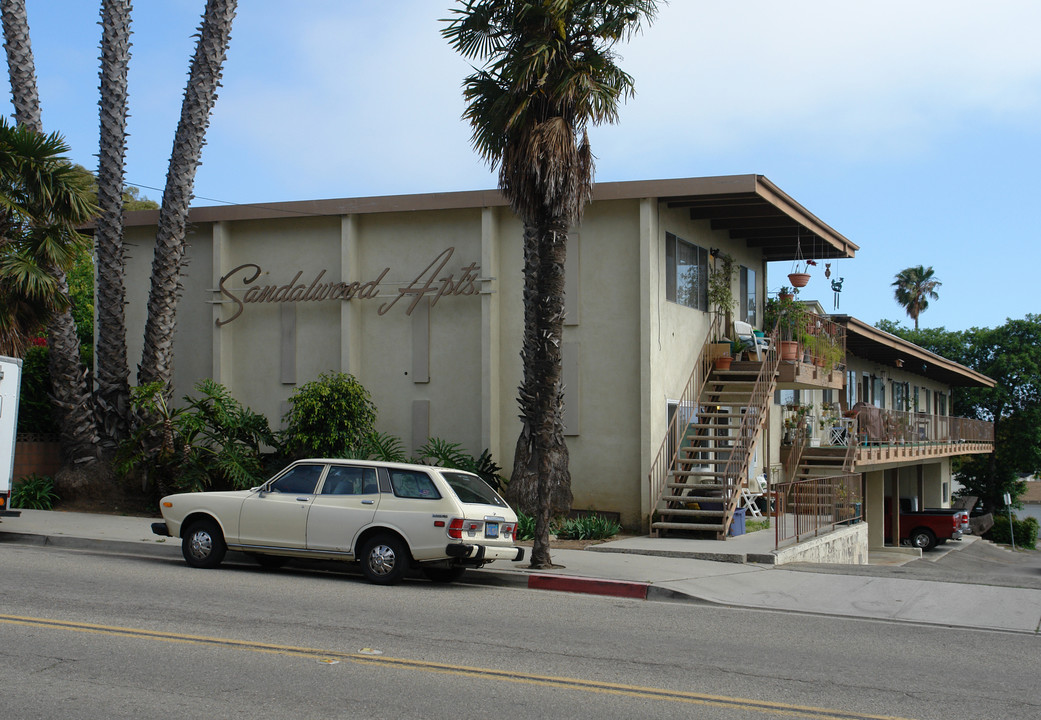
(927, 528)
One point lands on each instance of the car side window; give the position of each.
(413, 484)
(350, 481)
(300, 480)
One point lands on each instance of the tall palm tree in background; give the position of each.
(43, 198)
(914, 288)
(200, 95)
(70, 387)
(113, 374)
(549, 72)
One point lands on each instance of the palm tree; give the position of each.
(549, 72)
(200, 95)
(915, 287)
(43, 198)
(70, 389)
(113, 373)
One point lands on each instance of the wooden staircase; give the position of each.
(702, 490)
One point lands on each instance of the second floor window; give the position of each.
(686, 273)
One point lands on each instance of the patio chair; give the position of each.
(745, 334)
(753, 489)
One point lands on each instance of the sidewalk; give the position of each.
(656, 569)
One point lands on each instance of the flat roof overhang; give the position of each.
(868, 342)
(748, 207)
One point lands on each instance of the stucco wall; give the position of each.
(846, 546)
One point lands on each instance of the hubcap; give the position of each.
(201, 545)
(382, 560)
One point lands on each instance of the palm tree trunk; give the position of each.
(541, 481)
(20, 64)
(199, 98)
(71, 392)
(113, 373)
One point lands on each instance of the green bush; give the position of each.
(329, 417)
(35, 411)
(34, 492)
(212, 443)
(585, 527)
(1025, 531)
(452, 455)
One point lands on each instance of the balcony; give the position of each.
(876, 436)
(812, 350)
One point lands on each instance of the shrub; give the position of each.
(35, 411)
(587, 527)
(1025, 531)
(329, 417)
(34, 492)
(383, 446)
(452, 455)
(212, 443)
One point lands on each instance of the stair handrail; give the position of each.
(664, 461)
(755, 417)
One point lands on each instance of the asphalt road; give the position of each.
(88, 635)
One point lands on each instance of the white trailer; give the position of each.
(10, 385)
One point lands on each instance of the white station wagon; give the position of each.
(387, 516)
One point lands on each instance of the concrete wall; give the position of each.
(846, 546)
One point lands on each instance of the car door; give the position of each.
(346, 503)
(276, 516)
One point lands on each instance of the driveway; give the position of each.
(980, 562)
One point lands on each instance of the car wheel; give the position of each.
(203, 545)
(443, 575)
(384, 560)
(269, 562)
(923, 538)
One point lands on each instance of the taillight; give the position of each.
(455, 529)
(507, 531)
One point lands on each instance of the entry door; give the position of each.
(346, 504)
(277, 516)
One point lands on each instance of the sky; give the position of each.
(912, 128)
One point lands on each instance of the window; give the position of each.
(749, 301)
(299, 480)
(941, 404)
(350, 481)
(878, 392)
(686, 273)
(471, 489)
(851, 388)
(413, 484)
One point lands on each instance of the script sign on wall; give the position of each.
(429, 282)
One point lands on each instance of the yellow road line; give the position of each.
(634, 691)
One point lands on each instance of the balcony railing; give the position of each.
(814, 506)
(875, 426)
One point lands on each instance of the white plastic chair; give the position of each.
(750, 491)
(745, 334)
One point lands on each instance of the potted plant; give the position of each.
(723, 362)
(788, 317)
(738, 348)
(721, 286)
(786, 293)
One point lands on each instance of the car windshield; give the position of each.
(472, 489)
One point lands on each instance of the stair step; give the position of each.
(684, 512)
(699, 473)
(687, 526)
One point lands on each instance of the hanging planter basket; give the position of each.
(798, 279)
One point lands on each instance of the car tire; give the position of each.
(444, 575)
(923, 538)
(269, 562)
(384, 560)
(203, 545)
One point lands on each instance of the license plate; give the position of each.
(491, 530)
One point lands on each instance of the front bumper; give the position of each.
(159, 528)
(479, 554)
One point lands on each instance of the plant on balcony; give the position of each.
(721, 286)
(788, 316)
(737, 348)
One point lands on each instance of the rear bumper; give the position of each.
(159, 528)
(483, 553)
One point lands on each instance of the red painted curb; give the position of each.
(590, 586)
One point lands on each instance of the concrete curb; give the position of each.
(589, 586)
